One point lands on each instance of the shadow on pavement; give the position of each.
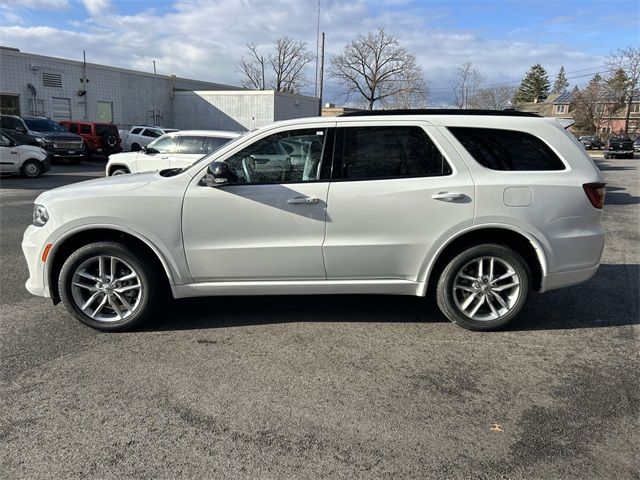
(607, 300)
(617, 196)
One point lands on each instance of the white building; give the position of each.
(71, 90)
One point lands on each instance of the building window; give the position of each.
(51, 80)
(561, 109)
(10, 104)
(635, 108)
(605, 130)
(105, 112)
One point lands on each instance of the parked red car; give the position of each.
(100, 138)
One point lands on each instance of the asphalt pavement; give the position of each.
(325, 387)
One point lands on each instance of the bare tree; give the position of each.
(465, 87)
(287, 63)
(377, 68)
(495, 98)
(628, 60)
(252, 69)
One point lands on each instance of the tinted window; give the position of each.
(165, 144)
(106, 129)
(43, 125)
(135, 131)
(5, 141)
(150, 133)
(85, 129)
(191, 145)
(507, 149)
(72, 127)
(10, 123)
(386, 152)
(268, 161)
(214, 143)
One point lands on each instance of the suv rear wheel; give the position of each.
(484, 287)
(109, 286)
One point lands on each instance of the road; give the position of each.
(325, 387)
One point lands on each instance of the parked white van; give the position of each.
(28, 160)
(173, 150)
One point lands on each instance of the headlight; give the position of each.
(43, 141)
(40, 215)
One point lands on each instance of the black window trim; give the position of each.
(566, 168)
(396, 177)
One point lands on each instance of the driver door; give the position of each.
(160, 159)
(268, 222)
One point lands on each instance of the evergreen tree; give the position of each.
(561, 84)
(617, 86)
(535, 84)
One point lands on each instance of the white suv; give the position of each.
(173, 150)
(480, 208)
(140, 136)
(28, 160)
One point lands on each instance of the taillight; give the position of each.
(595, 192)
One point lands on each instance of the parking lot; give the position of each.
(325, 387)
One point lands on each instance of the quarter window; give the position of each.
(151, 133)
(507, 149)
(293, 156)
(135, 131)
(370, 153)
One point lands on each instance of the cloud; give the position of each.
(36, 4)
(204, 39)
(98, 7)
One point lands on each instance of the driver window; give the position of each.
(5, 142)
(293, 156)
(164, 145)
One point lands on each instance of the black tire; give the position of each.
(135, 147)
(119, 171)
(447, 298)
(31, 169)
(150, 292)
(606, 156)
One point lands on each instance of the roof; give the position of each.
(563, 98)
(206, 133)
(440, 111)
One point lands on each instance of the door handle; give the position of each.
(448, 196)
(301, 200)
(14, 153)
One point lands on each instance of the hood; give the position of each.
(33, 149)
(123, 157)
(72, 137)
(98, 187)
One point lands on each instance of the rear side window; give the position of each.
(214, 143)
(507, 149)
(151, 133)
(136, 131)
(85, 129)
(370, 153)
(106, 129)
(10, 123)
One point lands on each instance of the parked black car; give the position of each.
(591, 142)
(619, 147)
(54, 138)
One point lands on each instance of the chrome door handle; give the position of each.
(301, 200)
(448, 196)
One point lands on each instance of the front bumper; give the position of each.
(46, 164)
(33, 243)
(64, 152)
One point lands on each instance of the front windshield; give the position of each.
(43, 125)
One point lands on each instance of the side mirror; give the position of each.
(217, 174)
(149, 150)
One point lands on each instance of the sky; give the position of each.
(205, 39)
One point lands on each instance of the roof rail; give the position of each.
(441, 111)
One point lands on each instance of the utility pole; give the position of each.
(321, 73)
(315, 89)
(84, 82)
(262, 64)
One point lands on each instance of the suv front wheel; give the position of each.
(484, 287)
(109, 286)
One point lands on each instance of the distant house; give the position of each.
(559, 106)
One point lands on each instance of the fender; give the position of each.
(430, 260)
(171, 270)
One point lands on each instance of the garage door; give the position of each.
(61, 108)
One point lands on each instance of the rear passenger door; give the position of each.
(396, 191)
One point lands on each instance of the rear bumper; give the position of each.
(566, 279)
